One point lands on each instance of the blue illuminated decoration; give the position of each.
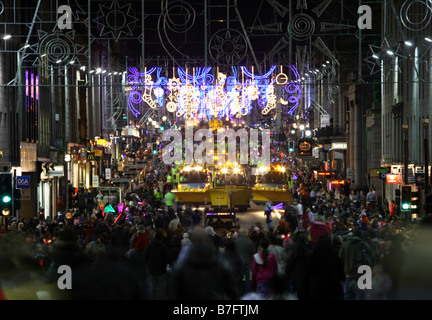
(294, 90)
(251, 75)
(201, 76)
(204, 93)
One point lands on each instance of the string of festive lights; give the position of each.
(197, 94)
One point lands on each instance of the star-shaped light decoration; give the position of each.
(228, 47)
(57, 49)
(77, 11)
(115, 20)
(374, 60)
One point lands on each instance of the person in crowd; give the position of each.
(214, 238)
(268, 214)
(355, 252)
(246, 248)
(296, 265)
(371, 197)
(264, 267)
(169, 199)
(158, 197)
(275, 246)
(325, 272)
(319, 228)
(232, 259)
(157, 258)
(201, 275)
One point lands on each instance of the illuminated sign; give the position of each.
(130, 132)
(97, 153)
(23, 182)
(101, 142)
(339, 145)
(305, 148)
(392, 178)
(338, 182)
(324, 173)
(91, 156)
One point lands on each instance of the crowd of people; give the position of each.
(160, 250)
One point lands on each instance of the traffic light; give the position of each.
(155, 148)
(406, 198)
(17, 199)
(415, 202)
(397, 198)
(6, 193)
(291, 146)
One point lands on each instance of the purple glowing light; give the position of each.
(251, 75)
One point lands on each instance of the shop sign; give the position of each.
(23, 182)
(325, 120)
(392, 178)
(57, 172)
(95, 181)
(91, 156)
(101, 142)
(378, 173)
(304, 148)
(97, 152)
(339, 146)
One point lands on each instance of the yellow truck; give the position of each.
(230, 188)
(272, 186)
(193, 185)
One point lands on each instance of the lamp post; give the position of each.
(405, 129)
(426, 154)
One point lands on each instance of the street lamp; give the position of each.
(426, 154)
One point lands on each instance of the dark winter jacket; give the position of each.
(157, 256)
(325, 272)
(202, 276)
(353, 253)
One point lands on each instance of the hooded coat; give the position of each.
(353, 253)
(263, 272)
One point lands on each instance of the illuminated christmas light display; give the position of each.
(198, 94)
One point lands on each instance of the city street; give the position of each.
(124, 125)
